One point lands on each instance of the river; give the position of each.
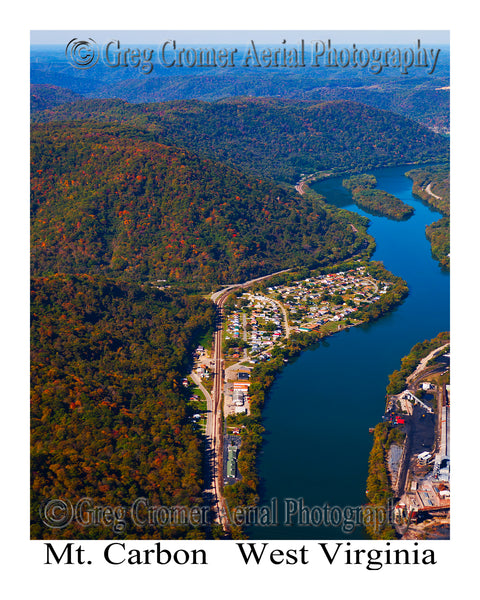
(319, 409)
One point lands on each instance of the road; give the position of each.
(216, 433)
(429, 191)
(217, 295)
(423, 363)
(300, 187)
(285, 316)
(199, 384)
(214, 428)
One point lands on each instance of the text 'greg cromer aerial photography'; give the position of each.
(240, 270)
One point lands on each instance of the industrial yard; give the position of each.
(420, 469)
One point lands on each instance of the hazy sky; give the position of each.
(243, 36)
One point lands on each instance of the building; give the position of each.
(232, 461)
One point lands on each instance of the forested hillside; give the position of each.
(111, 211)
(47, 96)
(104, 202)
(423, 97)
(432, 184)
(192, 193)
(109, 417)
(274, 138)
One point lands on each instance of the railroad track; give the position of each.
(219, 506)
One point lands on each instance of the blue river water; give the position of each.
(320, 408)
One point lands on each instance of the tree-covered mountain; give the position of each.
(43, 96)
(110, 208)
(270, 137)
(425, 103)
(106, 201)
(422, 96)
(432, 185)
(109, 416)
(185, 191)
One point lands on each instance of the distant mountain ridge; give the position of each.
(270, 137)
(45, 96)
(420, 96)
(138, 212)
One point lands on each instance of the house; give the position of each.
(240, 385)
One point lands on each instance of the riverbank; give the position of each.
(411, 489)
(375, 201)
(270, 363)
(432, 185)
(321, 405)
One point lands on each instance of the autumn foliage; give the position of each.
(109, 416)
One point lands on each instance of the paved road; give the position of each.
(199, 384)
(213, 488)
(216, 295)
(429, 191)
(285, 316)
(214, 424)
(300, 187)
(209, 491)
(423, 363)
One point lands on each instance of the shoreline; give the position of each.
(306, 180)
(438, 232)
(409, 493)
(264, 374)
(267, 378)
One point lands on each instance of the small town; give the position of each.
(256, 322)
(325, 303)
